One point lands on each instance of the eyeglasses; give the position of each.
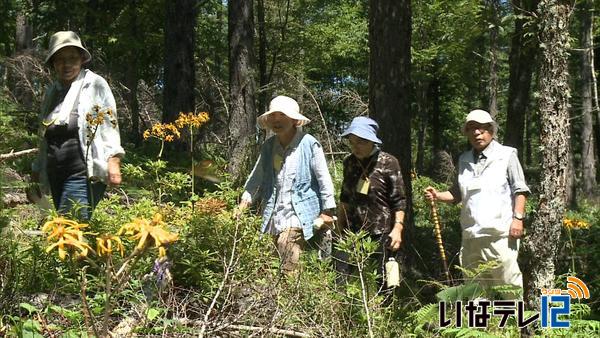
(481, 128)
(356, 142)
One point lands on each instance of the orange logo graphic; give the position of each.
(576, 288)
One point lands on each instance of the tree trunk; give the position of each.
(132, 76)
(529, 118)
(23, 33)
(540, 245)
(422, 107)
(20, 75)
(521, 62)
(179, 58)
(587, 133)
(262, 56)
(241, 88)
(436, 111)
(390, 87)
(494, 8)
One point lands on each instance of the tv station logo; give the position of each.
(555, 305)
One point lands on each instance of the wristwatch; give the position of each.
(519, 216)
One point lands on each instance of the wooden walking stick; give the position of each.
(438, 237)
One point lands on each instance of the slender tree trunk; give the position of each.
(19, 77)
(179, 58)
(521, 62)
(422, 108)
(588, 152)
(390, 86)
(436, 111)
(241, 88)
(23, 33)
(528, 131)
(494, 9)
(262, 56)
(132, 75)
(541, 244)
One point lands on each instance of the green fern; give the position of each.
(466, 332)
(425, 314)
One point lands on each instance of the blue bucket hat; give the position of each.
(363, 127)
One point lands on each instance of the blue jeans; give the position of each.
(75, 191)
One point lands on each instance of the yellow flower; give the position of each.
(104, 245)
(66, 233)
(148, 232)
(162, 252)
(573, 224)
(163, 131)
(191, 119)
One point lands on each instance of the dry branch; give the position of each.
(13, 154)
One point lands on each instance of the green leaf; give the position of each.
(30, 308)
(152, 313)
(33, 327)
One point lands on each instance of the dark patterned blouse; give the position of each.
(374, 211)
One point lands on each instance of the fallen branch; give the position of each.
(288, 333)
(13, 154)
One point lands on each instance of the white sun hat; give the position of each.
(286, 105)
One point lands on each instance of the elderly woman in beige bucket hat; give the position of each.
(80, 148)
(292, 181)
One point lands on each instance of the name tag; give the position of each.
(277, 162)
(363, 186)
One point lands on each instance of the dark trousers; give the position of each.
(75, 190)
(344, 268)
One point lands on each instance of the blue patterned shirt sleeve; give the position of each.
(319, 168)
(252, 186)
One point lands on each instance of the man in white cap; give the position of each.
(291, 179)
(492, 189)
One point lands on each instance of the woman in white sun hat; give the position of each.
(291, 180)
(80, 148)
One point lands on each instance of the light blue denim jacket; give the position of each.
(306, 199)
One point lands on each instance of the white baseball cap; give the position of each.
(480, 116)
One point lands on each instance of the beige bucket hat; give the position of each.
(285, 105)
(66, 39)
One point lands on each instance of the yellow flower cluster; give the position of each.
(170, 131)
(575, 224)
(104, 245)
(96, 118)
(97, 115)
(163, 131)
(149, 232)
(191, 119)
(66, 234)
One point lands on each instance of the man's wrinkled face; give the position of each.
(479, 134)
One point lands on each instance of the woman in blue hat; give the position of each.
(372, 196)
